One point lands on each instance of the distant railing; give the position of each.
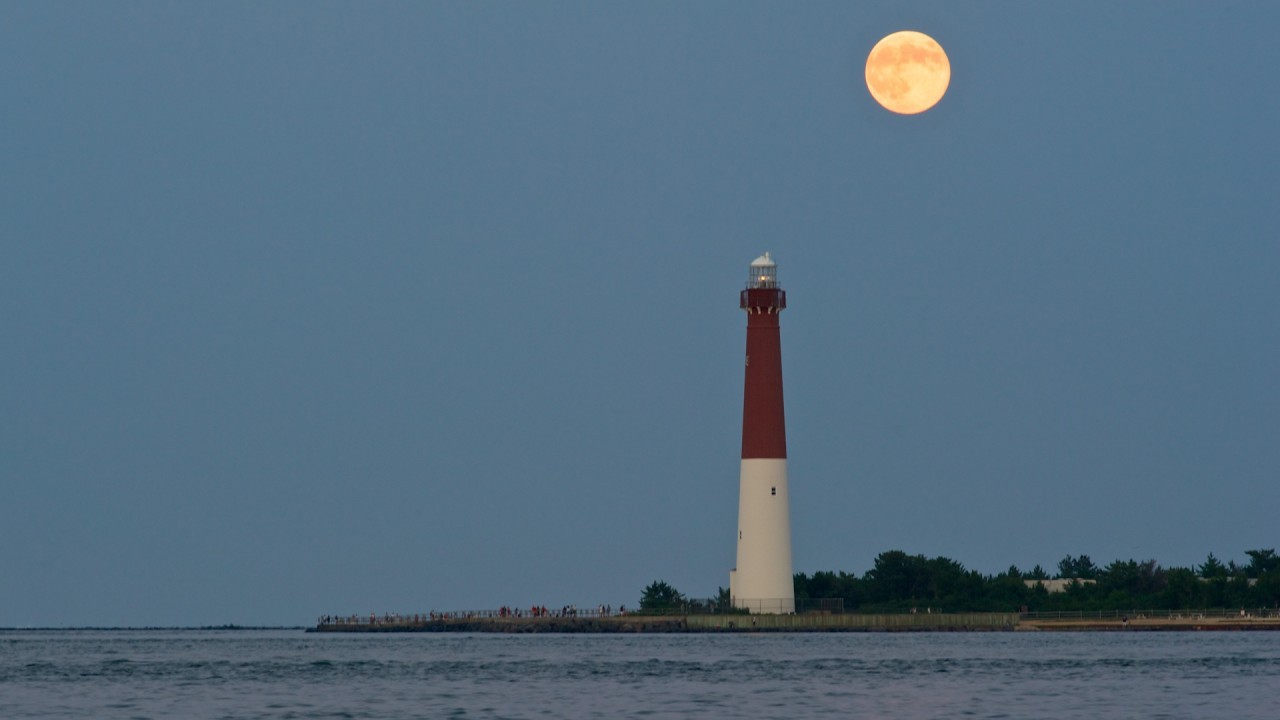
(787, 606)
(1150, 614)
(833, 606)
(408, 619)
(766, 606)
(709, 606)
(804, 606)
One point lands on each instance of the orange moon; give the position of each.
(907, 72)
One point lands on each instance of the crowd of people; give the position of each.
(506, 611)
(540, 611)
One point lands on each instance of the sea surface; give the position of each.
(290, 674)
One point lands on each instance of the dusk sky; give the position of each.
(316, 307)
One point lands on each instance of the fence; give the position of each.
(402, 619)
(807, 607)
(709, 606)
(1150, 614)
(853, 622)
(786, 606)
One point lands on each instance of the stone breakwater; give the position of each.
(726, 623)
(731, 623)
(625, 624)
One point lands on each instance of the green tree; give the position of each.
(1006, 591)
(899, 581)
(1153, 577)
(1261, 562)
(661, 596)
(1078, 567)
(1237, 592)
(1183, 589)
(1077, 590)
(949, 584)
(852, 589)
(896, 577)
(800, 585)
(824, 585)
(1213, 568)
(1266, 593)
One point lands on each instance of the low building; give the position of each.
(1058, 585)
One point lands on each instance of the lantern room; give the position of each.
(764, 273)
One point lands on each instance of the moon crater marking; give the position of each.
(908, 72)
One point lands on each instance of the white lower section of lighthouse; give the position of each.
(762, 581)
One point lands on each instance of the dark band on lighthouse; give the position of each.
(764, 431)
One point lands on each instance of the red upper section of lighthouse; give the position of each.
(764, 433)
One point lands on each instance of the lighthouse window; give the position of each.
(773, 491)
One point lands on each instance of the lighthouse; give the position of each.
(762, 581)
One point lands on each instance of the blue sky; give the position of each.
(352, 307)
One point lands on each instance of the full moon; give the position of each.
(907, 72)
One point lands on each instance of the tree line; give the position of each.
(899, 582)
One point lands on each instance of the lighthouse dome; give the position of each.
(764, 273)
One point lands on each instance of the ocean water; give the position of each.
(290, 674)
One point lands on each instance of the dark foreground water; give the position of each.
(287, 674)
